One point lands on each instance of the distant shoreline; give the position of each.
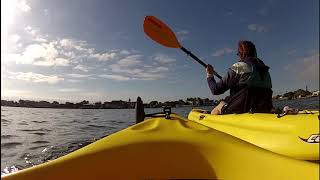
(180, 106)
(98, 108)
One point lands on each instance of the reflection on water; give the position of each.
(31, 136)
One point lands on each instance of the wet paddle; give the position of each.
(162, 34)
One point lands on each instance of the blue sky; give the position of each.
(97, 50)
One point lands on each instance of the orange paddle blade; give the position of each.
(160, 32)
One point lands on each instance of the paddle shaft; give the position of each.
(198, 60)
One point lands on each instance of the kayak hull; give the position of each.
(296, 136)
(175, 148)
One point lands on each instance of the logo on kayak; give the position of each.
(202, 117)
(314, 138)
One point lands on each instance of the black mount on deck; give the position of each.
(140, 114)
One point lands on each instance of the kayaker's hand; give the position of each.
(209, 70)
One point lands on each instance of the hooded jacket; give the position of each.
(250, 86)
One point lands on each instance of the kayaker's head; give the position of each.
(246, 49)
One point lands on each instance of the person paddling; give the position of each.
(249, 83)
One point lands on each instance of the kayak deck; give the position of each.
(175, 148)
(296, 136)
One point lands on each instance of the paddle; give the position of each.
(162, 34)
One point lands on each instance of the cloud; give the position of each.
(131, 68)
(124, 52)
(115, 77)
(46, 12)
(148, 76)
(163, 59)
(69, 90)
(31, 30)
(78, 75)
(81, 68)
(104, 56)
(74, 80)
(130, 60)
(221, 52)
(257, 28)
(23, 6)
(46, 51)
(14, 38)
(42, 55)
(158, 69)
(305, 69)
(183, 32)
(36, 78)
(78, 45)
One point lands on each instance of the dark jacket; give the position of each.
(250, 87)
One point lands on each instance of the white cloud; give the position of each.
(78, 75)
(62, 62)
(36, 78)
(67, 43)
(31, 30)
(163, 59)
(305, 69)
(158, 69)
(115, 77)
(40, 39)
(81, 68)
(131, 68)
(224, 51)
(124, 52)
(46, 12)
(78, 45)
(130, 60)
(148, 76)
(44, 54)
(183, 32)
(74, 80)
(23, 6)
(104, 56)
(14, 38)
(69, 90)
(257, 28)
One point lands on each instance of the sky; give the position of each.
(96, 50)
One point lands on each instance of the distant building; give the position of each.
(315, 93)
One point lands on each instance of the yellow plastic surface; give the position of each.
(158, 148)
(281, 135)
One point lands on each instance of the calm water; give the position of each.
(31, 136)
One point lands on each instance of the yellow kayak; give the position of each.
(296, 136)
(174, 148)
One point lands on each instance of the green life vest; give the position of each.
(250, 76)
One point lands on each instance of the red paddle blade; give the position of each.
(160, 32)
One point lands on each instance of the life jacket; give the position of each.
(253, 91)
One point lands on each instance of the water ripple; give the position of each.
(10, 145)
(39, 133)
(37, 147)
(38, 121)
(32, 130)
(40, 142)
(96, 126)
(8, 136)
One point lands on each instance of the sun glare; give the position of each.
(8, 8)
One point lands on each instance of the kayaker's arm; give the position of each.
(224, 84)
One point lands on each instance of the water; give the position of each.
(31, 136)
